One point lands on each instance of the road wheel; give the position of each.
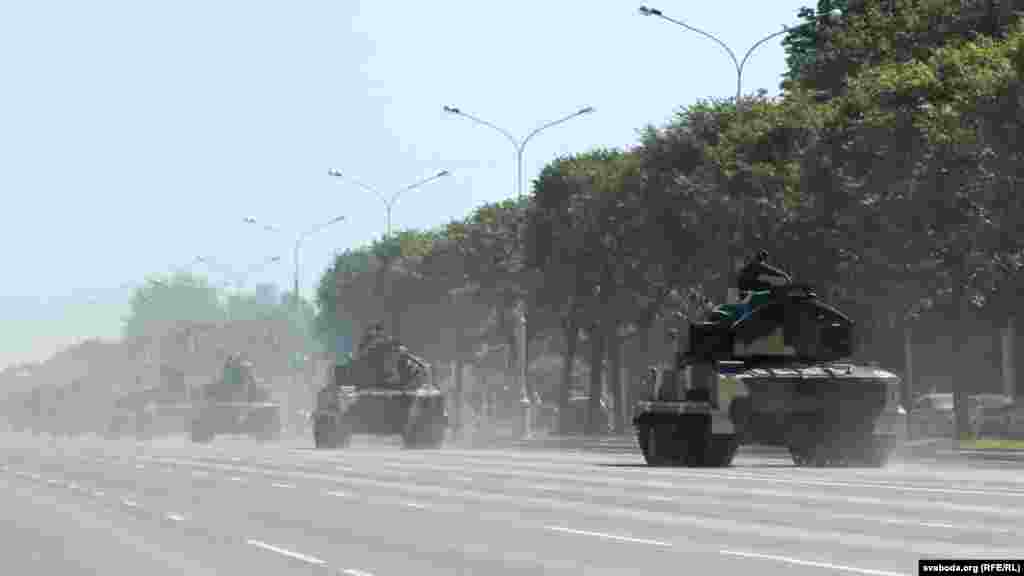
(329, 433)
(720, 451)
(426, 431)
(655, 442)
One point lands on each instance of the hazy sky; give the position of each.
(135, 136)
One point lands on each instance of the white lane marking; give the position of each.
(237, 479)
(900, 521)
(236, 459)
(354, 572)
(544, 487)
(657, 498)
(201, 473)
(416, 505)
(74, 486)
(130, 503)
(462, 478)
(811, 563)
(862, 485)
(277, 485)
(338, 494)
(556, 473)
(139, 466)
(53, 482)
(609, 536)
(98, 493)
(289, 553)
(176, 517)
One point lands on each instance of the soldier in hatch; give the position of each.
(759, 276)
(755, 282)
(373, 336)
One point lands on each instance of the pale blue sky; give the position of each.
(135, 136)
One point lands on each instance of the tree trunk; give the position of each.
(458, 395)
(907, 388)
(569, 360)
(959, 342)
(596, 371)
(1009, 365)
(615, 374)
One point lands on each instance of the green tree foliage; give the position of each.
(896, 195)
(162, 303)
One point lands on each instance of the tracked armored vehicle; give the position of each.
(384, 391)
(146, 413)
(235, 404)
(771, 371)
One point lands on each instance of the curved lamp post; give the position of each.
(833, 16)
(389, 202)
(298, 244)
(519, 146)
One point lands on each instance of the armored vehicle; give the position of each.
(235, 404)
(146, 413)
(384, 391)
(770, 370)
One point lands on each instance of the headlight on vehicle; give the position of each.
(901, 411)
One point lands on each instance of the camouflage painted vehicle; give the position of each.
(385, 391)
(235, 404)
(772, 374)
(146, 413)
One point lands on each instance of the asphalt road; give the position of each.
(87, 506)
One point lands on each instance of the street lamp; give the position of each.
(389, 203)
(298, 244)
(645, 11)
(520, 145)
(833, 17)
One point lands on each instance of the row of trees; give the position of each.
(180, 322)
(885, 173)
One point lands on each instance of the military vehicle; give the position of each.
(771, 371)
(384, 391)
(145, 413)
(235, 404)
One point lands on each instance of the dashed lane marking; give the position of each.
(900, 521)
(237, 479)
(277, 485)
(799, 562)
(176, 517)
(130, 503)
(609, 536)
(338, 494)
(354, 572)
(288, 553)
(416, 505)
